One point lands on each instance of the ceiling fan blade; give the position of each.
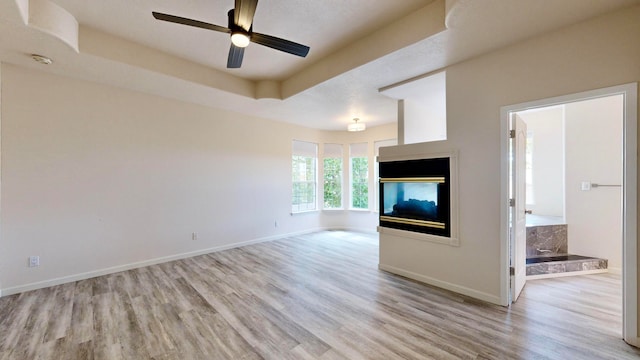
(243, 13)
(280, 44)
(190, 22)
(236, 54)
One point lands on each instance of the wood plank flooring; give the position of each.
(318, 296)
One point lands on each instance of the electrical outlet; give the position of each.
(194, 236)
(34, 261)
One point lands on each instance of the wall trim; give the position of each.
(633, 341)
(615, 270)
(354, 229)
(139, 264)
(442, 284)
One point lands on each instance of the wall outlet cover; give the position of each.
(34, 261)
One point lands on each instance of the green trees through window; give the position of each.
(333, 183)
(305, 175)
(359, 183)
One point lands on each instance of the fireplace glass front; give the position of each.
(415, 196)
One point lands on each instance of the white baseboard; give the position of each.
(357, 229)
(616, 271)
(635, 341)
(494, 299)
(139, 264)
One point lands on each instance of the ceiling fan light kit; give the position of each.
(241, 30)
(240, 39)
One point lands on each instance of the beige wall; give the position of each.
(97, 179)
(594, 154)
(1, 270)
(598, 53)
(424, 119)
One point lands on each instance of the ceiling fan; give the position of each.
(241, 30)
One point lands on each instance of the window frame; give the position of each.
(303, 150)
(331, 153)
(359, 155)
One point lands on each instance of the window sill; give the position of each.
(303, 212)
(333, 210)
(360, 210)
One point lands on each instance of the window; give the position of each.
(332, 176)
(303, 172)
(377, 145)
(359, 164)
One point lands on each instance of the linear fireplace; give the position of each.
(415, 195)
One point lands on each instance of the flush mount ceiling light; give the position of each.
(41, 59)
(356, 126)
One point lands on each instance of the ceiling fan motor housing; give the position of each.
(239, 36)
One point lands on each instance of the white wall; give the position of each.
(423, 113)
(96, 178)
(1, 270)
(594, 154)
(424, 120)
(595, 54)
(547, 128)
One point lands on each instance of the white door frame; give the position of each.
(629, 200)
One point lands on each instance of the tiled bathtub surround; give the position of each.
(544, 241)
(551, 239)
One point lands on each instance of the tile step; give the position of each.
(563, 266)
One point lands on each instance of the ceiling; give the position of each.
(357, 47)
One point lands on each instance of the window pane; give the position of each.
(359, 183)
(358, 154)
(333, 183)
(332, 166)
(303, 175)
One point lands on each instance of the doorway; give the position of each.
(629, 200)
(573, 182)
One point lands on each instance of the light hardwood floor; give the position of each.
(318, 296)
